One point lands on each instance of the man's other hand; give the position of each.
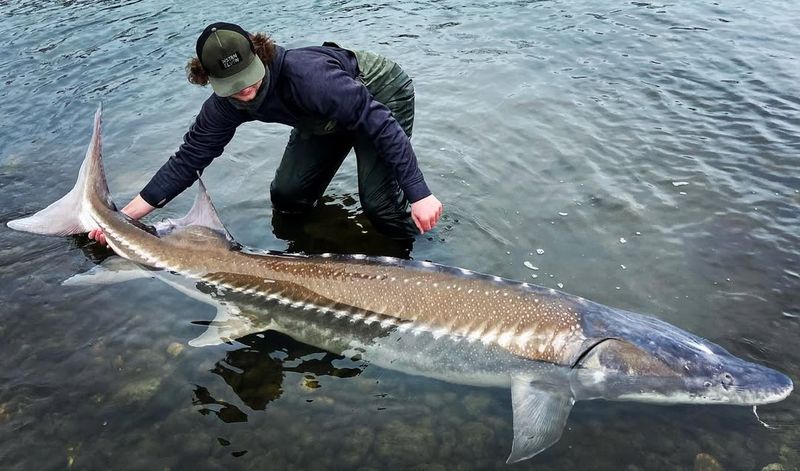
(426, 213)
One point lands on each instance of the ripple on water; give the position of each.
(594, 110)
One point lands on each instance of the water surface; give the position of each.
(648, 150)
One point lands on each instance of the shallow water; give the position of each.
(649, 150)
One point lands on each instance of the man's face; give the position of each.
(247, 93)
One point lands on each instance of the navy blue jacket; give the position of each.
(307, 87)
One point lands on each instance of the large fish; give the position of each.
(550, 348)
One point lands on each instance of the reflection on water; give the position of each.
(550, 130)
(255, 372)
(335, 226)
(227, 413)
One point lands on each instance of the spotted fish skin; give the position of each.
(471, 322)
(549, 347)
(528, 321)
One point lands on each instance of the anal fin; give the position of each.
(227, 326)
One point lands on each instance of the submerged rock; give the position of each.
(433, 400)
(476, 404)
(175, 349)
(72, 452)
(706, 462)
(476, 438)
(448, 443)
(139, 391)
(773, 467)
(354, 447)
(401, 444)
(790, 457)
(429, 467)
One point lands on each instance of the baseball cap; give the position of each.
(229, 58)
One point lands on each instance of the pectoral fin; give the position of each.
(540, 415)
(228, 324)
(112, 270)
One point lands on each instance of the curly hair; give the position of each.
(262, 43)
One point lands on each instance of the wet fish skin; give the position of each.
(550, 348)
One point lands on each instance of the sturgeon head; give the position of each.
(630, 357)
(639, 358)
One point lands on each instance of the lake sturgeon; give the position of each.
(550, 348)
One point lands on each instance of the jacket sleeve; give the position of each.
(211, 131)
(336, 95)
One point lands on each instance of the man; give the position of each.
(333, 98)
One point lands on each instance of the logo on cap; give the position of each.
(230, 61)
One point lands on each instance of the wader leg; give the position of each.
(307, 167)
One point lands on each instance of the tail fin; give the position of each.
(70, 214)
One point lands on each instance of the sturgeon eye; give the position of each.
(707, 384)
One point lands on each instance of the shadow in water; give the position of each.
(91, 249)
(255, 372)
(332, 226)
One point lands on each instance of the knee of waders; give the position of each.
(390, 220)
(289, 198)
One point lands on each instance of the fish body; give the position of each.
(550, 348)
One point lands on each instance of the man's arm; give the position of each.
(341, 97)
(211, 131)
(213, 128)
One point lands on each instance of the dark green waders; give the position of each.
(311, 159)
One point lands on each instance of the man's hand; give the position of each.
(98, 236)
(136, 209)
(426, 213)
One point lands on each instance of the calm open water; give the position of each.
(650, 150)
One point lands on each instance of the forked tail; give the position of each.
(71, 213)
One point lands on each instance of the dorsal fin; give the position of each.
(203, 213)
